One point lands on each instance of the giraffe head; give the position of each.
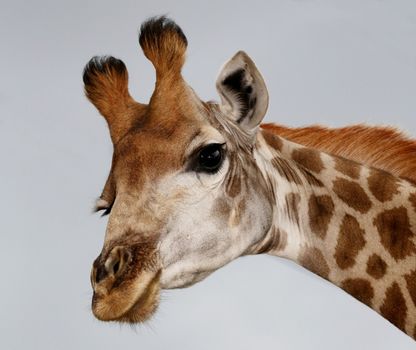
(181, 175)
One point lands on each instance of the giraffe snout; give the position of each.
(125, 281)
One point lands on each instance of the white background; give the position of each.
(328, 62)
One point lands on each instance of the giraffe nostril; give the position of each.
(100, 274)
(116, 267)
(117, 260)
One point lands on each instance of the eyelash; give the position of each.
(106, 211)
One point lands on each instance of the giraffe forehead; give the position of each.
(155, 149)
(152, 151)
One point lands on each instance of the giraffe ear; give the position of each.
(243, 92)
(106, 86)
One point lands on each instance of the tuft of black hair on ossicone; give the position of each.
(101, 65)
(154, 27)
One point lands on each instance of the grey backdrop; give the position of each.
(329, 62)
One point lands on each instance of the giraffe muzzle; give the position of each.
(125, 282)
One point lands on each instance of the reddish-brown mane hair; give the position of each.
(381, 147)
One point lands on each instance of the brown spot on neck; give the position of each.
(382, 185)
(394, 306)
(313, 260)
(352, 194)
(272, 140)
(411, 285)
(395, 233)
(350, 242)
(360, 289)
(376, 266)
(347, 167)
(308, 158)
(321, 210)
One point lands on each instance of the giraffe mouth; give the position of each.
(145, 306)
(129, 305)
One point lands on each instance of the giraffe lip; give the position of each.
(140, 310)
(145, 305)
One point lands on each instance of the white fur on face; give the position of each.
(191, 244)
(199, 239)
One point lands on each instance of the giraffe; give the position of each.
(194, 185)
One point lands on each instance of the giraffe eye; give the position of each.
(210, 158)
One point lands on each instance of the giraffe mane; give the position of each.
(382, 147)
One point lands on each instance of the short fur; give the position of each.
(106, 86)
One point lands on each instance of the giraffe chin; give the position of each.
(135, 303)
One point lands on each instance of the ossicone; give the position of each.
(106, 86)
(164, 44)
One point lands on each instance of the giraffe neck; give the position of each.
(350, 224)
